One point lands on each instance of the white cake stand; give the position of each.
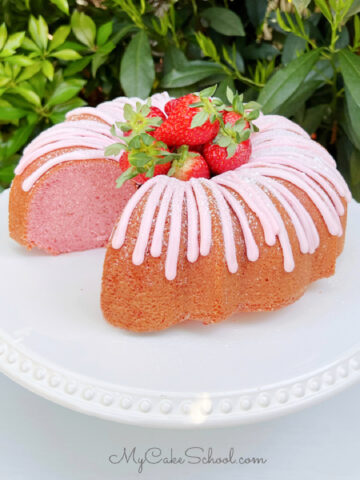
(54, 341)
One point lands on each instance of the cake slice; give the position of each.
(64, 196)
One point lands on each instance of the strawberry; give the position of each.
(170, 105)
(217, 156)
(188, 125)
(231, 148)
(232, 117)
(197, 148)
(160, 169)
(155, 112)
(141, 119)
(189, 165)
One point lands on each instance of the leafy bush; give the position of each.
(297, 59)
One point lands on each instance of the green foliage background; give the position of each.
(299, 59)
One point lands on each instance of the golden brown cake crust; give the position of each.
(141, 299)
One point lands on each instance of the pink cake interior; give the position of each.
(77, 206)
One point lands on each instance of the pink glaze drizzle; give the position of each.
(280, 151)
(88, 138)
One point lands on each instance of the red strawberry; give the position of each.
(217, 160)
(142, 178)
(170, 105)
(189, 165)
(197, 148)
(232, 117)
(176, 129)
(154, 112)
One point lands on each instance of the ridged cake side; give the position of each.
(248, 240)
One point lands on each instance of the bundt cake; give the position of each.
(64, 196)
(249, 239)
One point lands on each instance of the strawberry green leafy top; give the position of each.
(149, 139)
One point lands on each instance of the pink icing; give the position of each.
(86, 135)
(281, 150)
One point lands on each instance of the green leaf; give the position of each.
(66, 54)
(11, 113)
(104, 33)
(98, 60)
(127, 175)
(29, 72)
(77, 66)
(6, 53)
(264, 51)
(6, 173)
(293, 45)
(137, 72)
(174, 59)
(350, 69)
(59, 37)
(300, 96)
(47, 69)
(65, 91)
(256, 10)
(208, 92)
(69, 105)
(314, 117)
(355, 167)
(106, 49)
(4, 81)
(39, 31)
(223, 141)
(233, 57)
(199, 119)
(78, 47)
(343, 39)
(324, 8)
(38, 83)
(231, 149)
(285, 82)
(28, 44)
(353, 10)
(353, 113)
(3, 35)
(29, 95)
(120, 34)
(128, 112)
(114, 149)
(224, 21)
(62, 5)
(300, 5)
(20, 60)
(192, 73)
(226, 85)
(84, 28)
(20, 138)
(14, 41)
(59, 111)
